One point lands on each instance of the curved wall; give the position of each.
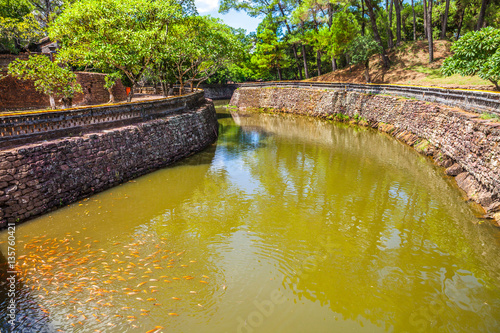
(466, 145)
(41, 176)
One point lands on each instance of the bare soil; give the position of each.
(409, 65)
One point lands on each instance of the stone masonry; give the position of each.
(43, 176)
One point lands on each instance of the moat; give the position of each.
(287, 224)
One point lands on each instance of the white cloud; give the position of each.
(205, 6)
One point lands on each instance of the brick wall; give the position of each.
(21, 95)
(93, 89)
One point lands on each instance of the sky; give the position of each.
(233, 18)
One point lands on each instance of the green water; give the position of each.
(292, 224)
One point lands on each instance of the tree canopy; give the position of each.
(476, 53)
(48, 77)
(122, 35)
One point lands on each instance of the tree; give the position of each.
(362, 48)
(18, 34)
(269, 49)
(48, 77)
(123, 35)
(18, 26)
(444, 20)
(196, 49)
(343, 30)
(482, 13)
(15, 8)
(109, 82)
(476, 53)
(428, 15)
(376, 35)
(46, 10)
(279, 9)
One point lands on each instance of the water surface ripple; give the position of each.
(287, 224)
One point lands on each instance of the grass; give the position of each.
(434, 76)
(490, 116)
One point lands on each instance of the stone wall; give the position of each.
(463, 143)
(43, 176)
(219, 91)
(21, 95)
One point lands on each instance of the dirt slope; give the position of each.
(409, 65)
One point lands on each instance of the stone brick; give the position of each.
(56, 173)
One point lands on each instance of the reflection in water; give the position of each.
(293, 224)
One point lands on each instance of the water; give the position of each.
(288, 224)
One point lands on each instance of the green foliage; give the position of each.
(117, 34)
(110, 79)
(476, 53)
(18, 26)
(269, 55)
(362, 48)
(342, 32)
(196, 49)
(18, 34)
(48, 77)
(490, 116)
(15, 9)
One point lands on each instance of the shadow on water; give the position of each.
(30, 316)
(221, 115)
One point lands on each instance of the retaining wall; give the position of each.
(212, 91)
(41, 176)
(466, 145)
(471, 100)
(19, 128)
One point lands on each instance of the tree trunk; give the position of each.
(425, 19)
(367, 71)
(495, 83)
(294, 48)
(279, 74)
(482, 13)
(67, 102)
(170, 89)
(414, 21)
(191, 86)
(290, 32)
(163, 89)
(306, 68)
(181, 87)
(397, 5)
(388, 27)
(131, 94)
(318, 62)
(376, 35)
(52, 102)
(444, 22)
(429, 31)
(460, 23)
(334, 64)
(111, 96)
(362, 18)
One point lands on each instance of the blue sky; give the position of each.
(233, 18)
